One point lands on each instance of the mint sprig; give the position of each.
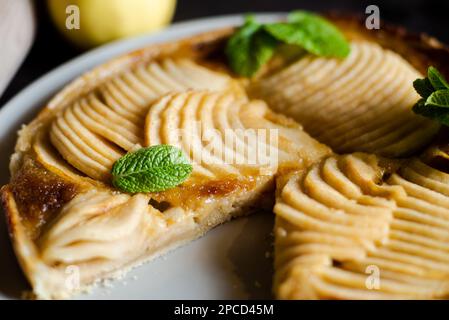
(152, 169)
(254, 43)
(434, 92)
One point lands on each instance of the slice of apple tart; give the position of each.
(62, 207)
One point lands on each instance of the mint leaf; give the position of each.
(420, 107)
(264, 46)
(311, 32)
(250, 48)
(300, 16)
(152, 169)
(436, 79)
(254, 43)
(439, 98)
(434, 91)
(423, 87)
(432, 112)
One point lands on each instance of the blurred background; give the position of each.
(47, 48)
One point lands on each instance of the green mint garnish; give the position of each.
(423, 87)
(437, 79)
(254, 43)
(152, 169)
(434, 92)
(250, 48)
(311, 32)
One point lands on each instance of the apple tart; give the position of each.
(336, 215)
(61, 205)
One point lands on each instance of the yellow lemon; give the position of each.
(90, 23)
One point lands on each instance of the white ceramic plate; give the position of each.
(230, 262)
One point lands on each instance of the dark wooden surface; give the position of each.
(50, 49)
